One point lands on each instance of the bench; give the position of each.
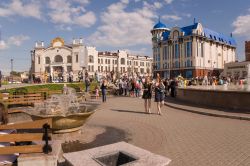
(26, 99)
(41, 130)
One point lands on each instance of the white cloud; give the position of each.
(17, 7)
(63, 12)
(169, 1)
(171, 17)
(125, 28)
(17, 40)
(3, 45)
(242, 25)
(83, 2)
(13, 40)
(141, 51)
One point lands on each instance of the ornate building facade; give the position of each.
(58, 61)
(190, 51)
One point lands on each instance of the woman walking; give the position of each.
(159, 94)
(104, 88)
(147, 95)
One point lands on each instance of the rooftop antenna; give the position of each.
(194, 20)
(159, 18)
(231, 35)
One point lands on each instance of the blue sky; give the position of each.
(110, 24)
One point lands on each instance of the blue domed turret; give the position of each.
(160, 25)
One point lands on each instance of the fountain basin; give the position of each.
(65, 123)
(235, 100)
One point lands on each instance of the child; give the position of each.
(96, 92)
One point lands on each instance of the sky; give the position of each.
(110, 25)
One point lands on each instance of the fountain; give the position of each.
(67, 113)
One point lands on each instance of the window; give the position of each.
(39, 60)
(188, 63)
(47, 69)
(189, 49)
(76, 58)
(69, 59)
(69, 68)
(91, 59)
(58, 59)
(165, 53)
(142, 64)
(47, 60)
(123, 61)
(98, 60)
(202, 51)
(142, 71)
(101, 61)
(189, 74)
(176, 51)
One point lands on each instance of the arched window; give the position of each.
(69, 59)
(58, 58)
(122, 61)
(47, 60)
(91, 59)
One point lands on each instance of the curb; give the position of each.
(209, 114)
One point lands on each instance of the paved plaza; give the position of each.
(184, 137)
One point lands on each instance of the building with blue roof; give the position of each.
(190, 51)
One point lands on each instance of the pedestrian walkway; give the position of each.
(216, 112)
(186, 138)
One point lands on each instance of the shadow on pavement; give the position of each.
(111, 135)
(128, 111)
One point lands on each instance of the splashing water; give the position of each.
(63, 104)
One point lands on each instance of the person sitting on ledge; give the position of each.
(12, 158)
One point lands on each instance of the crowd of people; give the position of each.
(144, 87)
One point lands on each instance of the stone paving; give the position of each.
(184, 137)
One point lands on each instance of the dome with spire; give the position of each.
(160, 25)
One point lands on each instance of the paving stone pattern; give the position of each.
(186, 138)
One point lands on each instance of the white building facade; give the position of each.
(122, 62)
(58, 61)
(190, 51)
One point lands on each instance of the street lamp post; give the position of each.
(11, 74)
